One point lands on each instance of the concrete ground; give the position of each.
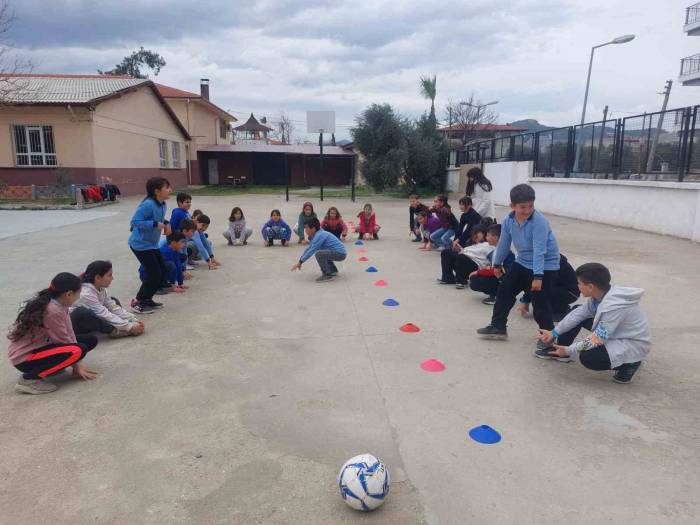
(246, 395)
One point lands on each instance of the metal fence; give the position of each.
(652, 146)
(692, 14)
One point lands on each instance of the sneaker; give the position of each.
(491, 332)
(375, 236)
(189, 267)
(440, 281)
(163, 291)
(152, 303)
(270, 242)
(459, 286)
(545, 353)
(541, 345)
(418, 240)
(625, 373)
(34, 386)
(325, 277)
(230, 242)
(139, 308)
(490, 300)
(285, 243)
(238, 242)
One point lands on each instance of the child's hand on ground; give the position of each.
(177, 289)
(536, 285)
(424, 247)
(297, 266)
(212, 266)
(137, 329)
(546, 336)
(524, 309)
(83, 373)
(187, 276)
(559, 351)
(185, 286)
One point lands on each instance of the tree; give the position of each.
(426, 155)
(428, 89)
(379, 137)
(131, 65)
(466, 115)
(284, 128)
(9, 66)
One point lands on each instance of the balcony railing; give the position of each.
(692, 14)
(690, 65)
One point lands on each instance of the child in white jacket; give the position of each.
(96, 311)
(619, 338)
(458, 265)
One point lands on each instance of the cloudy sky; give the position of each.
(269, 56)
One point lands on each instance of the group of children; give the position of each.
(56, 328)
(476, 253)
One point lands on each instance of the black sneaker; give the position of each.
(625, 373)
(152, 304)
(270, 242)
(324, 278)
(375, 236)
(163, 291)
(459, 286)
(418, 239)
(491, 332)
(139, 308)
(440, 281)
(544, 353)
(490, 300)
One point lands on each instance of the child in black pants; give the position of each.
(535, 267)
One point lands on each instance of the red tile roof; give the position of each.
(171, 92)
(482, 127)
(52, 75)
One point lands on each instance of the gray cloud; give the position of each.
(268, 55)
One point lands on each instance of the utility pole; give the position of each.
(659, 126)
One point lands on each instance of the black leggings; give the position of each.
(456, 266)
(84, 321)
(484, 283)
(53, 358)
(156, 273)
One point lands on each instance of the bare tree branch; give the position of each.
(10, 66)
(465, 115)
(284, 128)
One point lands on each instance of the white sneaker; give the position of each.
(34, 386)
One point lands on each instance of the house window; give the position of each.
(163, 151)
(176, 154)
(34, 146)
(223, 128)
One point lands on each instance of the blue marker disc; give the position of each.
(358, 243)
(390, 302)
(371, 269)
(484, 434)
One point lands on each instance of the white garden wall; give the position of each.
(669, 208)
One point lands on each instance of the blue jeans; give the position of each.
(443, 237)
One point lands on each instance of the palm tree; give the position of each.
(428, 89)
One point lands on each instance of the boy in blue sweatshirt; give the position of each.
(170, 251)
(327, 248)
(200, 244)
(276, 228)
(535, 268)
(184, 202)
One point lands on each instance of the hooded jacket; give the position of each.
(618, 320)
(145, 233)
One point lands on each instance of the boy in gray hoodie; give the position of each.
(619, 338)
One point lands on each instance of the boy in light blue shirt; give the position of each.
(327, 248)
(535, 268)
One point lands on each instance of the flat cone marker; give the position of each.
(484, 434)
(361, 250)
(363, 259)
(371, 269)
(358, 243)
(381, 282)
(410, 328)
(390, 302)
(432, 365)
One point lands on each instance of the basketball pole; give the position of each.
(320, 173)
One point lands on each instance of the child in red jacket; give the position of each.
(367, 226)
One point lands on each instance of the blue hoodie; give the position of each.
(537, 249)
(144, 225)
(277, 228)
(177, 217)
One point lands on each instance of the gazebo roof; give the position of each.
(252, 125)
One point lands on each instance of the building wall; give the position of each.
(72, 141)
(668, 208)
(126, 131)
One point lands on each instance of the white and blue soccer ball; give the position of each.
(364, 482)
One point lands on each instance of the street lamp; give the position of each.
(619, 40)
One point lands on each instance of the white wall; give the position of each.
(669, 208)
(453, 180)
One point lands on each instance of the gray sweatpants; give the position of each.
(325, 260)
(243, 236)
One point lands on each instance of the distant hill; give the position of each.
(531, 124)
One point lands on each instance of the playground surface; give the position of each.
(247, 393)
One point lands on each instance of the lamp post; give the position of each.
(619, 40)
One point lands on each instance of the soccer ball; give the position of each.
(364, 482)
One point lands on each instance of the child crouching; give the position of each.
(237, 233)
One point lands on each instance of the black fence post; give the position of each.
(568, 162)
(288, 176)
(352, 188)
(535, 153)
(618, 147)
